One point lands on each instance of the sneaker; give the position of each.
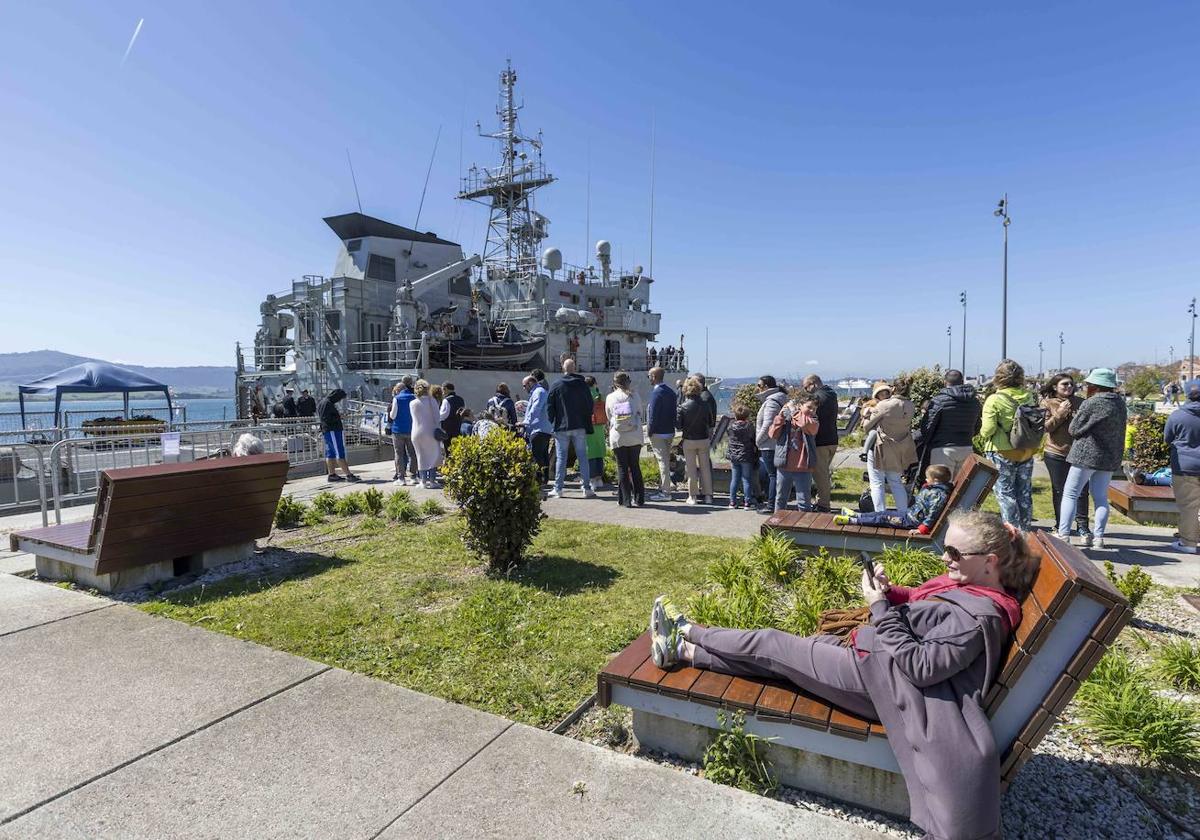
(733, 505)
(847, 511)
(708, 500)
(332, 478)
(841, 519)
(675, 614)
(589, 493)
(352, 478)
(399, 481)
(1098, 543)
(395, 476)
(690, 500)
(553, 494)
(414, 481)
(1186, 549)
(428, 485)
(659, 497)
(1083, 541)
(664, 637)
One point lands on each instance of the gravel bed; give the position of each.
(1070, 788)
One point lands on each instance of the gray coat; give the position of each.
(928, 667)
(1098, 428)
(772, 403)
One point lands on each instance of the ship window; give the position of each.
(461, 285)
(381, 268)
(353, 245)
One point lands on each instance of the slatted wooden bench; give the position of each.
(1068, 620)
(1141, 503)
(809, 528)
(156, 522)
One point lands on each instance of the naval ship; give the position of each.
(404, 302)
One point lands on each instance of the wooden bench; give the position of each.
(808, 528)
(157, 522)
(1068, 620)
(1141, 503)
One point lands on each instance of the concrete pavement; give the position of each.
(119, 724)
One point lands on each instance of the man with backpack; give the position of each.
(1012, 430)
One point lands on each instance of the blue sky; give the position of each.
(826, 172)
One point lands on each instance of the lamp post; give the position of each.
(962, 298)
(1192, 343)
(1060, 346)
(1171, 351)
(1002, 212)
(949, 347)
(1040, 349)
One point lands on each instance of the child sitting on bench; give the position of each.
(931, 499)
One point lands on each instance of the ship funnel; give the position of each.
(552, 260)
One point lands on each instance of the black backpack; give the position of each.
(1029, 425)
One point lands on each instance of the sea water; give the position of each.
(40, 413)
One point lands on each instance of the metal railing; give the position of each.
(392, 354)
(22, 482)
(40, 428)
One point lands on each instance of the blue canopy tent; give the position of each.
(91, 378)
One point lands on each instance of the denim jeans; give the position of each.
(1059, 469)
(768, 474)
(786, 480)
(1096, 482)
(405, 454)
(739, 476)
(894, 482)
(562, 440)
(1014, 491)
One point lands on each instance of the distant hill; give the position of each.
(18, 368)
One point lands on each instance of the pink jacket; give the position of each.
(803, 423)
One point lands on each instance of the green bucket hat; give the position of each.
(1104, 377)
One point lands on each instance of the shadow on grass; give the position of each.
(564, 575)
(272, 567)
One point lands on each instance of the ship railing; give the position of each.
(73, 466)
(255, 359)
(390, 354)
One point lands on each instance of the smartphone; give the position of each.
(869, 566)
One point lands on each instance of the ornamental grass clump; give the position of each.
(289, 512)
(1178, 662)
(372, 502)
(494, 480)
(432, 507)
(325, 503)
(349, 504)
(1119, 707)
(910, 566)
(399, 507)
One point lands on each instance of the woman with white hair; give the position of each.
(247, 444)
(425, 419)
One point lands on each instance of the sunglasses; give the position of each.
(957, 555)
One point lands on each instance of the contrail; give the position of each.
(136, 30)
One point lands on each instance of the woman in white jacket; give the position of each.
(624, 409)
(424, 411)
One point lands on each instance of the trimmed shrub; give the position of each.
(289, 512)
(1150, 451)
(494, 480)
(747, 395)
(372, 502)
(1134, 584)
(325, 502)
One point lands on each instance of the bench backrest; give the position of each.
(972, 484)
(161, 512)
(852, 420)
(1068, 620)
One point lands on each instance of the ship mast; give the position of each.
(515, 229)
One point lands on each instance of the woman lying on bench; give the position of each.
(921, 666)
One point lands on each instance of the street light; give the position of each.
(1171, 350)
(962, 298)
(949, 348)
(1192, 343)
(1002, 212)
(1040, 349)
(1060, 346)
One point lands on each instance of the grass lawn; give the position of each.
(408, 605)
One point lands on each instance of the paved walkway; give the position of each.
(119, 724)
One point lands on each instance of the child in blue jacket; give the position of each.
(931, 500)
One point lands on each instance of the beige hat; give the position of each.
(877, 387)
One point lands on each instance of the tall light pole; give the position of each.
(949, 347)
(1060, 346)
(962, 298)
(1192, 343)
(1171, 350)
(1002, 212)
(1040, 349)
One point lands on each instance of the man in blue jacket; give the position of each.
(1182, 434)
(660, 426)
(401, 417)
(569, 407)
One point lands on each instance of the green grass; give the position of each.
(408, 605)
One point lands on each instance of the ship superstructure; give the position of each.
(400, 301)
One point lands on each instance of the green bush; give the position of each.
(372, 502)
(1134, 584)
(432, 507)
(738, 758)
(1150, 451)
(313, 516)
(1119, 707)
(400, 507)
(325, 502)
(289, 512)
(747, 395)
(1178, 662)
(495, 481)
(922, 383)
(349, 504)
